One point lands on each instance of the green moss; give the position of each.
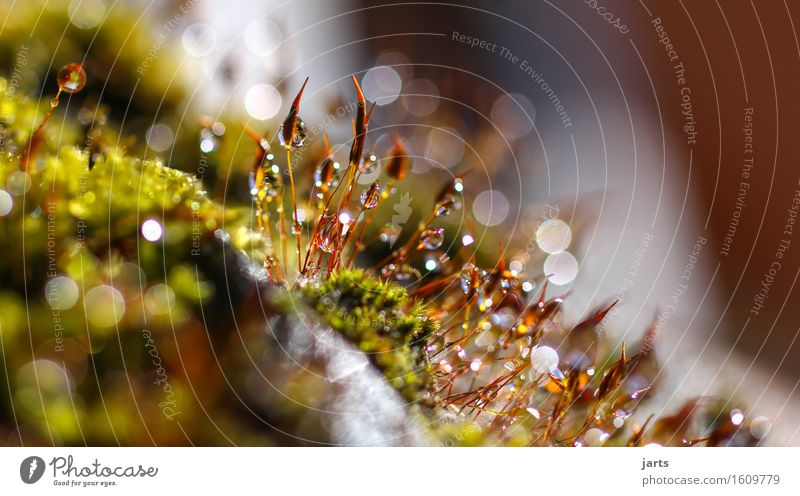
(383, 321)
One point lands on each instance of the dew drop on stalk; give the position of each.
(470, 279)
(370, 164)
(325, 176)
(389, 233)
(371, 195)
(447, 205)
(388, 269)
(327, 233)
(298, 137)
(71, 78)
(406, 273)
(432, 239)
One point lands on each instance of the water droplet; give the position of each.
(471, 279)
(430, 264)
(619, 422)
(389, 233)
(325, 176)
(371, 196)
(447, 205)
(222, 235)
(327, 234)
(388, 269)
(370, 165)
(298, 138)
(467, 239)
(475, 365)
(737, 417)
(406, 273)
(71, 78)
(544, 359)
(432, 239)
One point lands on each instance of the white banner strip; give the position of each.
(386, 471)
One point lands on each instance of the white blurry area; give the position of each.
(249, 57)
(621, 178)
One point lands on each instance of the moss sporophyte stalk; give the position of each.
(479, 353)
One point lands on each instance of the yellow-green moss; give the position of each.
(380, 319)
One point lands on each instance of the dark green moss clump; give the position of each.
(383, 321)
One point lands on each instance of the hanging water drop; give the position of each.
(298, 138)
(325, 176)
(371, 195)
(432, 239)
(389, 233)
(71, 78)
(370, 164)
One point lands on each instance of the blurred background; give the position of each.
(660, 132)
